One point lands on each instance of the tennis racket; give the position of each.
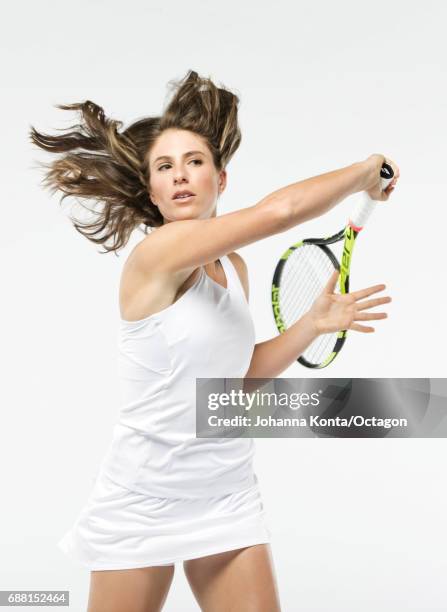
(304, 270)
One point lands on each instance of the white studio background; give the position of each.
(357, 524)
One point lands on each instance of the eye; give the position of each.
(193, 160)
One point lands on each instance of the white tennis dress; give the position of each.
(162, 495)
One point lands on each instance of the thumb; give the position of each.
(332, 282)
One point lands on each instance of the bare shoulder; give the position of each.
(242, 270)
(148, 260)
(145, 288)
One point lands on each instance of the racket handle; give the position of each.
(362, 213)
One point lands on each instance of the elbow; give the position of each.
(279, 211)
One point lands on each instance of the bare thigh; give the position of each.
(241, 580)
(133, 590)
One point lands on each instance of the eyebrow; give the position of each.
(184, 155)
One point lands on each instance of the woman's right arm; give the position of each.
(187, 244)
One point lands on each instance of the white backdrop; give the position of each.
(357, 524)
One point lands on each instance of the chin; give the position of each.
(192, 212)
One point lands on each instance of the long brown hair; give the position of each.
(110, 167)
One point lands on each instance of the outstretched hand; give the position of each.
(332, 312)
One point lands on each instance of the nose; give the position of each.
(179, 177)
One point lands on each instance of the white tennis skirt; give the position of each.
(122, 529)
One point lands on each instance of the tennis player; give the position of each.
(161, 495)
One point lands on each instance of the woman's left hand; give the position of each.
(332, 312)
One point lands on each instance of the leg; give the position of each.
(239, 580)
(133, 590)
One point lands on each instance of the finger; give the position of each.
(394, 166)
(373, 303)
(389, 189)
(332, 282)
(370, 316)
(363, 293)
(361, 328)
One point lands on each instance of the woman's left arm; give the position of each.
(273, 356)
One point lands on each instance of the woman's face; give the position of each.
(180, 170)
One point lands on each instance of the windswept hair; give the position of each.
(101, 163)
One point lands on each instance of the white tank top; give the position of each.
(208, 332)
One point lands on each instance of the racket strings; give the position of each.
(302, 265)
(304, 276)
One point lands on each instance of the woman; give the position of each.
(162, 495)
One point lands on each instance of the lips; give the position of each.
(185, 193)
